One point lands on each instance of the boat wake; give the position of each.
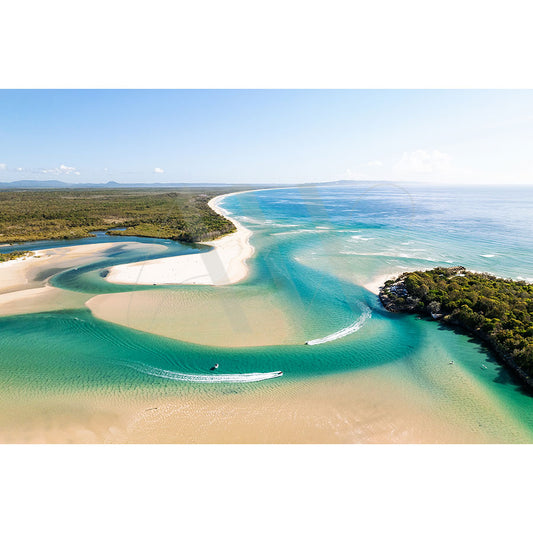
(352, 328)
(204, 378)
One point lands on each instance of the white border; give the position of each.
(242, 44)
(282, 43)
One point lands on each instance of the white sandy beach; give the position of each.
(375, 284)
(223, 265)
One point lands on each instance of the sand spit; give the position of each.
(224, 264)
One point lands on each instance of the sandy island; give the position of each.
(223, 265)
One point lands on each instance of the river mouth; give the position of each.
(306, 283)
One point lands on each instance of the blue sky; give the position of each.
(466, 136)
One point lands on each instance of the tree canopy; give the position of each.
(497, 310)
(180, 214)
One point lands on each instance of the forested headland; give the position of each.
(498, 311)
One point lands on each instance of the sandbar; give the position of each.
(201, 315)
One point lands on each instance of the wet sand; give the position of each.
(362, 407)
(39, 300)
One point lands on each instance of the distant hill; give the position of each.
(31, 184)
(56, 184)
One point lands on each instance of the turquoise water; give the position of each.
(316, 249)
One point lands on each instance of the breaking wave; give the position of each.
(352, 328)
(203, 378)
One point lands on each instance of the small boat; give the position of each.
(214, 367)
(450, 363)
(483, 366)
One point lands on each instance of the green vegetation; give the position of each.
(497, 310)
(13, 255)
(179, 214)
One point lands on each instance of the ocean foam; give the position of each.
(352, 328)
(203, 378)
(295, 232)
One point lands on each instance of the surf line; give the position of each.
(204, 378)
(352, 328)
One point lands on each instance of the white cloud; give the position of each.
(423, 162)
(63, 170)
(158, 170)
(350, 174)
(3, 166)
(374, 163)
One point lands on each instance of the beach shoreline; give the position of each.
(375, 284)
(224, 264)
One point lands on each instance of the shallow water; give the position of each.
(316, 249)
